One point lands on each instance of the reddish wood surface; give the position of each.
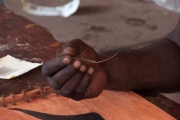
(24, 39)
(110, 105)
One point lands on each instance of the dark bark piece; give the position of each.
(44, 116)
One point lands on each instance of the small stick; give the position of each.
(55, 91)
(30, 25)
(42, 91)
(3, 102)
(25, 97)
(13, 99)
(91, 61)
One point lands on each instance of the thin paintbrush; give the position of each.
(91, 61)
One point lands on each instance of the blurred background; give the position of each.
(106, 24)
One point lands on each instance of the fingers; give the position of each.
(80, 89)
(70, 78)
(71, 84)
(74, 47)
(97, 85)
(62, 76)
(79, 92)
(51, 67)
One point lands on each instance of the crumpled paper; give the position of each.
(11, 67)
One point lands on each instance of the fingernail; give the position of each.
(66, 60)
(69, 51)
(83, 68)
(77, 64)
(91, 70)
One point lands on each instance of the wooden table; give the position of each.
(25, 40)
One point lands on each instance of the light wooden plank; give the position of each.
(110, 105)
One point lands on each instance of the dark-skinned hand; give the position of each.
(74, 78)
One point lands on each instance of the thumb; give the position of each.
(74, 47)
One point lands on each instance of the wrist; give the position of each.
(103, 66)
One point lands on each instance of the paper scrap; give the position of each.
(11, 67)
(64, 10)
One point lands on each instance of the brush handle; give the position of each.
(91, 61)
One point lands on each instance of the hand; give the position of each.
(74, 78)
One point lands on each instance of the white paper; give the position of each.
(64, 10)
(11, 67)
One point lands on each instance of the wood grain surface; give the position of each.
(110, 105)
(25, 40)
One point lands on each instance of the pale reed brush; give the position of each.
(91, 61)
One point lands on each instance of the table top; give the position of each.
(162, 102)
(23, 39)
(109, 105)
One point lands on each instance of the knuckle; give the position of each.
(51, 66)
(45, 69)
(60, 74)
(78, 76)
(52, 83)
(64, 93)
(68, 70)
(87, 78)
(79, 90)
(57, 82)
(65, 71)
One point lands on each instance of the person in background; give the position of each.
(151, 66)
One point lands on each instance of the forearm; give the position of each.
(154, 66)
